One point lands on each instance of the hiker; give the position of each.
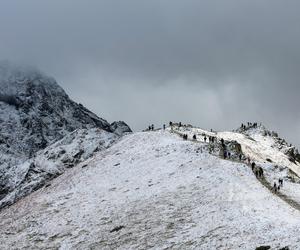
(228, 154)
(205, 138)
(222, 141)
(194, 137)
(225, 154)
(164, 126)
(179, 124)
(261, 172)
(275, 187)
(280, 181)
(171, 124)
(152, 127)
(240, 157)
(253, 165)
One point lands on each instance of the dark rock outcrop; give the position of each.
(120, 128)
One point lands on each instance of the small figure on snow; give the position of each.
(253, 166)
(275, 187)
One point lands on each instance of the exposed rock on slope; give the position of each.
(20, 180)
(35, 112)
(120, 128)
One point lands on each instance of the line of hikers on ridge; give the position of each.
(257, 170)
(249, 125)
(179, 124)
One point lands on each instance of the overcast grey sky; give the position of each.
(210, 63)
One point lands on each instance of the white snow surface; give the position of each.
(162, 193)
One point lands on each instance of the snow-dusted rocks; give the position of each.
(78, 146)
(258, 144)
(120, 128)
(35, 112)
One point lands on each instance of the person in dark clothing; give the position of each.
(229, 155)
(261, 172)
(253, 165)
(179, 124)
(280, 181)
(152, 127)
(222, 141)
(171, 124)
(275, 187)
(194, 137)
(205, 138)
(164, 126)
(240, 157)
(225, 154)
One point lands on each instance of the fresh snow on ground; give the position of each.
(74, 148)
(152, 190)
(254, 145)
(258, 147)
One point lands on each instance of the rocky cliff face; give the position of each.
(76, 147)
(34, 113)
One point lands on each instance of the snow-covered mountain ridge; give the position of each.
(35, 112)
(257, 143)
(152, 190)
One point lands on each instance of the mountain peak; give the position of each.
(35, 112)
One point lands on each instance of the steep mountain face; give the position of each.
(76, 147)
(35, 112)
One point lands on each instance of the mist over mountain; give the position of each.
(35, 112)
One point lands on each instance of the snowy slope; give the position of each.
(151, 190)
